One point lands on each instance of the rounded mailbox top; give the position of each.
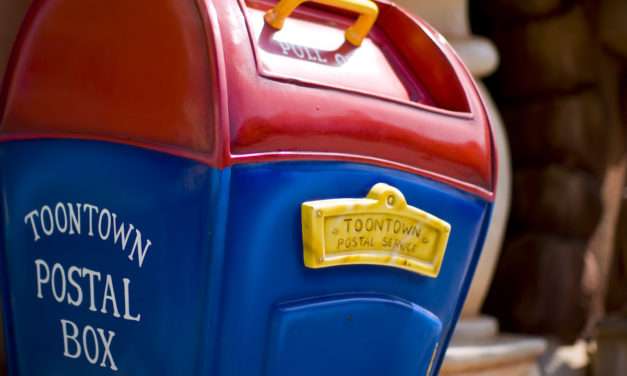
(213, 82)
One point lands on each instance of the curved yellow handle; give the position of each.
(368, 12)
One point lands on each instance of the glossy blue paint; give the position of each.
(263, 257)
(222, 289)
(170, 200)
(351, 335)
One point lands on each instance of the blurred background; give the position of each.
(550, 293)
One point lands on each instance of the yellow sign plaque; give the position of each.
(380, 229)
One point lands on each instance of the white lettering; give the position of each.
(109, 296)
(118, 232)
(91, 208)
(79, 291)
(104, 235)
(286, 47)
(39, 263)
(75, 219)
(91, 359)
(65, 218)
(94, 343)
(31, 217)
(91, 274)
(66, 337)
(46, 211)
(310, 57)
(90, 344)
(127, 303)
(60, 208)
(320, 58)
(137, 246)
(57, 269)
(107, 349)
(299, 51)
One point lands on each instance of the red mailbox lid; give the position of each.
(209, 80)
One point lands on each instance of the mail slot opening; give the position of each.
(396, 61)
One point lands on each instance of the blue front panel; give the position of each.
(78, 300)
(263, 263)
(209, 280)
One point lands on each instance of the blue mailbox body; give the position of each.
(152, 188)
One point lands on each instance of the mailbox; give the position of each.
(237, 187)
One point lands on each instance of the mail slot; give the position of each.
(237, 187)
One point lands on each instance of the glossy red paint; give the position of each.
(208, 80)
(131, 70)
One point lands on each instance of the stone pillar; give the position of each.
(611, 332)
(477, 347)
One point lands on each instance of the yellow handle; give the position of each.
(368, 12)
